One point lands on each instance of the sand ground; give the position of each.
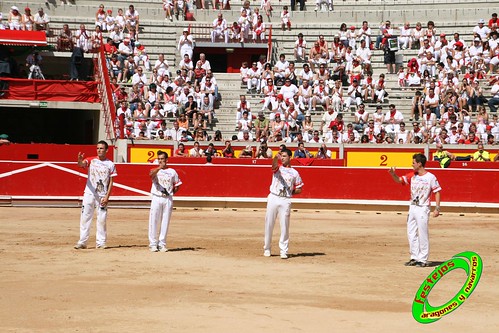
(346, 273)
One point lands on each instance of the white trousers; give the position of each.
(159, 220)
(277, 206)
(89, 204)
(417, 232)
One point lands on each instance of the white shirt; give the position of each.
(421, 187)
(99, 174)
(284, 181)
(164, 182)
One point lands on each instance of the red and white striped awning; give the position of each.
(23, 38)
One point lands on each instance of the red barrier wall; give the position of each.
(321, 182)
(51, 90)
(47, 152)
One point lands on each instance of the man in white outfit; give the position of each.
(286, 181)
(220, 29)
(165, 183)
(186, 44)
(422, 183)
(97, 190)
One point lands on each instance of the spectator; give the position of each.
(228, 151)
(206, 110)
(196, 151)
(285, 17)
(218, 136)
(264, 151)
(323, 152)
(365, 33)
(481, 155)
(494, 101)
(220, 29)
(288, 90)
(259, 29)
(117, 35)
(110, 21)
(243, 105)
(140, 54)
(354, 94)
(96, 39)
(261, 126)
(65, 39)
(115, 68)
(186, 44)
(42, 20)
(245, 24)
(168, 8)
(481, 30)
(254, 75)
(120, 20)
(28, 20)
(301, 152)
(300, 49)
(320, 95)
(100, 18)
(161, 65)
(132, 19)
(180, 151)
(15, 19)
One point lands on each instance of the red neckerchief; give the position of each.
(300, 42)
(219, 21)
(285, 12)
(258, 24)
(428, 116)
(392, 113)
(321, 89)
(317, 48)
(321, 43)
(243, 105)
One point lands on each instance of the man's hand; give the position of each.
(392, 171)
(81, 158)
(436, 213)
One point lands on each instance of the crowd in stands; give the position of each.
(334, 77)
(446, 77)
(27, 21)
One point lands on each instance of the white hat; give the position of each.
(186, 29)
(481, 21)
(477, 39)
(14, 8)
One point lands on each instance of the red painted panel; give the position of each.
(459, 185)
(47, 152)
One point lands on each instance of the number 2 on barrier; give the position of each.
(151, 156)
(383, 159)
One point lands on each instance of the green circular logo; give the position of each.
(423, 311)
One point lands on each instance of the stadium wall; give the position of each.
(219, 184)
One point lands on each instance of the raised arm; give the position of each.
(396, 178)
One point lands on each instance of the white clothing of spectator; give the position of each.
(42, 20)
(481, 30)
(186, 44)
(220, 29)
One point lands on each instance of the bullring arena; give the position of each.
(348, 231)
(345, 273)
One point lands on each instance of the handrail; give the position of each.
(114, 127)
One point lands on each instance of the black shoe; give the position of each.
(411, 262)
(422, 264)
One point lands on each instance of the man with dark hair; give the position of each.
(422, 183)
(165, 182)
(286, 181)
(101, 171)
